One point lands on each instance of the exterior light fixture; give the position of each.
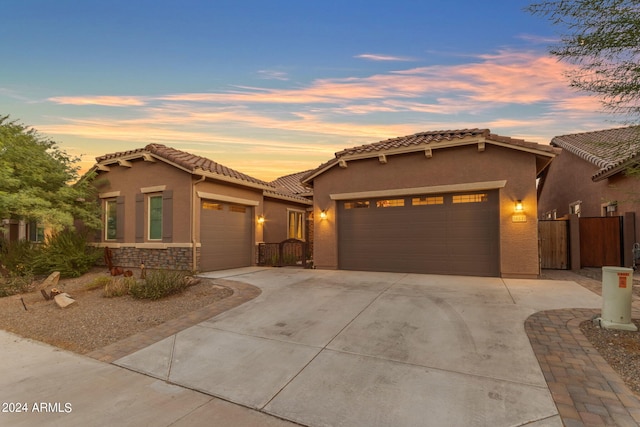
(261, 219)
(519, 206)
(323, 214)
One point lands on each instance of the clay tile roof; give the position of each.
(292, 183)
(423, 140)
(523, 143)
(416, 139)
(187, 161)
(608, 149)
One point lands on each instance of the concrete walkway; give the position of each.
(328, 348)
(325, 348)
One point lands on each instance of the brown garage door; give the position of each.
(226, 235)
(437, 234)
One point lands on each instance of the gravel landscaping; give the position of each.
(621, 349)
(95, 321)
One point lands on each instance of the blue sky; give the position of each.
(272, 88)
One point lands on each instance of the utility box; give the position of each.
(617, 293)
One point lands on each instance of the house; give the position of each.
(445, 202)
(588, 178)
(172, 209)
(19, 229)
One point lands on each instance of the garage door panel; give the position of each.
(226, 236)
(447, 238)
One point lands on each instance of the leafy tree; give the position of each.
(601, 37)
(36, 177)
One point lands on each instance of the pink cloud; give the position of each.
(108, 101)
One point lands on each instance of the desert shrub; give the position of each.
(99, 282)
(159, 284)
(15, 284)
(66, 252)
(117, 287)
(17, 257)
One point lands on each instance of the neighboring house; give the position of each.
(588, 177)
(172, 209)
(445, 202)
(14, 229)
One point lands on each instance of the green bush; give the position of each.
(159, 284)
(13, 285)
(66, 252)
(17, 256)
(117, 287)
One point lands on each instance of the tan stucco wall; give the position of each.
(130, 180)
(459, 165)
(276, 219)
(569, 180)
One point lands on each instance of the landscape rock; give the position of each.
(51, 281)
(64, 300)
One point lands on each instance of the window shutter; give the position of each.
(120, 218)
(139, 217)
(167, 216)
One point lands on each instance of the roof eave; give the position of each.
(422, 147)
(608, 173)
(229, 179)
(295, 199)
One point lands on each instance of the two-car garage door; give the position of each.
(454, 233)
(226, 235)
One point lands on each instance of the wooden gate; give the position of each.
(601, 241)
(554, 244)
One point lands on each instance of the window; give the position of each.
(296, 225)
(36, 232)
(427, 200)
(390, 203)
(155, 217)
(110, 219)
(211, 206)
(357, 204)
(470, 198)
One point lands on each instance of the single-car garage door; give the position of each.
(438, 234)
(226, 235)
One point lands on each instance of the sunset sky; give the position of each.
(275, 87)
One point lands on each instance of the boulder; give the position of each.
(64, 300)
(51, 281)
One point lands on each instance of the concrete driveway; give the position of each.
(332, 348)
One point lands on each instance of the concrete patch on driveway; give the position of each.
(551, 294)
(311, 311)
(431, 331)
(239, 368)
(339, 389)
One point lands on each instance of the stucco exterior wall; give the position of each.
(129, 181)
(569, 180)
(457, 165)
(275, 227)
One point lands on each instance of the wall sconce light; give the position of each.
(261, 219)
(323, 214)
(519, 206)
